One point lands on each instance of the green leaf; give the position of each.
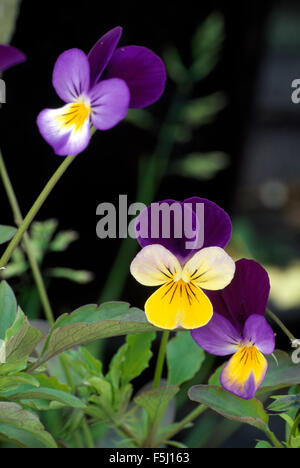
(202, 111)
(141, 118)
(206, 45)
(156, 401)
(263, 444)
(90, 323)
(184, 358)
(202, 166)
(21, 339)
(16, 424)
(77, 276)
(175, 67)
(62, 240)
(11, 382)
(6, 233)
(295, 442)
(284, 403)
(230, 406)
(28, 392)
(137, 356)
(8, 308)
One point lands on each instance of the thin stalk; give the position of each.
(35, 209)
(281, 325)
(160, 359)
(273, 439)
(181, 425)
(30, 254)
(87, 434)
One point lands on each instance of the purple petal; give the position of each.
(152, 228)
(109, 101)
(63, 141)
(217, 223)
(247, 294)
(259, 333)
(216, 232)
(218, 337)
(10, 56)
(143, 71)
(71, 75)
(102, 52)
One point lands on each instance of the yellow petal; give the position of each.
(178, 304)
(245, 372)
(210, 268)
(155, 265)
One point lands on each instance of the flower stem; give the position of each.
(281, 325)
(30, 254)
(34, 210)
(272, 437)
(294, 429)
(160, 359)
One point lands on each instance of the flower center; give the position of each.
(75, 115)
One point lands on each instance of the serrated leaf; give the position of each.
(8, 308)
(90, 323)
(6, 233)
(16, 424)
(184, 358)
(21, 339)
(137, 356)
(156, 401)
(230, 406)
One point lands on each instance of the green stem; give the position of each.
(281, 325)
(181, 425)
(272, 437)
(87, 434)
(34, 210)
(160, 359)
(294, 429)
(30, 254)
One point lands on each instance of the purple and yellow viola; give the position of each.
(239, 328)
(181, 272)
(10, 56)
(98, 89)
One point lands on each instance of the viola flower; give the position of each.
(239, 327)
(10, 56)
(181, 272)
(98, 89)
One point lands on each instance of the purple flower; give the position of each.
(239, 327)
(99, 88)
(182, 261)
(10, 56)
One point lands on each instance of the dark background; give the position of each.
(259, 128)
